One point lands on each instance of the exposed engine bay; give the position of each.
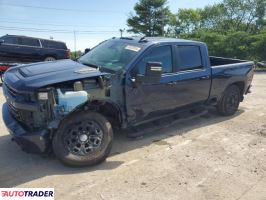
(57, 101)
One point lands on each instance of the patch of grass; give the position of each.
(260, 69)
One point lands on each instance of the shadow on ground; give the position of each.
(18, 167)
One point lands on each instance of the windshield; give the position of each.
(111, 54)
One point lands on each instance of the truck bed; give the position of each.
(226, 71)
(218, 61)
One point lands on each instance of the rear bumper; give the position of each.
(32, 142)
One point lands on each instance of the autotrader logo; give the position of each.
(27, 193)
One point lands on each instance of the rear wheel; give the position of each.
(83, 139)
(229, 103)
(49, 58)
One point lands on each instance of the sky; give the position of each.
(91, 21)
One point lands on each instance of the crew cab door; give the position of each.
(147, 101)
(194, 75)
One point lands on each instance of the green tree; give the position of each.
(215, 41)
(213, 18)
(244, 15)
(258, 46)
(225, 17)
(75, 54)
(172, 29)
(151, 17)
(189, 20)
(237, 45)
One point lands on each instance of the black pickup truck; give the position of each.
(72, 107)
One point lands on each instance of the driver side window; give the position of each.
(162, 54)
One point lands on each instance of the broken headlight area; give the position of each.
(61, 99)
(70, 95)
(68, 101)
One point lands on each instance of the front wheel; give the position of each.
(229, 103)
(83, 139)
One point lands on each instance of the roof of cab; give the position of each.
(153, 40)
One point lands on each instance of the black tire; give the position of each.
(229, 103)
(75, 140)
(50, 58)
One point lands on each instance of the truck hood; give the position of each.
(33, 76)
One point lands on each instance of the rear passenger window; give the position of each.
(161, 54)
(10, 40)
(189, 58)
(29, 42)
(53, 44)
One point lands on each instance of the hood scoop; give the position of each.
(37, 75)
(41, 68)
(86, 70)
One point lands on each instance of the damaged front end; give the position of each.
(25, 119)
(33, 117)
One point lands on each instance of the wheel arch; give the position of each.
(108, 109)
(228, 108)
(240, 85)
(49, 55)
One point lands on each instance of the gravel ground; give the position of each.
(211, 157)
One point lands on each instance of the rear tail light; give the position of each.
(3, 67)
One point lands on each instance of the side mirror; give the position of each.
(87, 50)
(153, 73)
(1, 42)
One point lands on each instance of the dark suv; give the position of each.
(14, 48)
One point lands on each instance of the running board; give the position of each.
(143, 129)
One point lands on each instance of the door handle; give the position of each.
(204, 77)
